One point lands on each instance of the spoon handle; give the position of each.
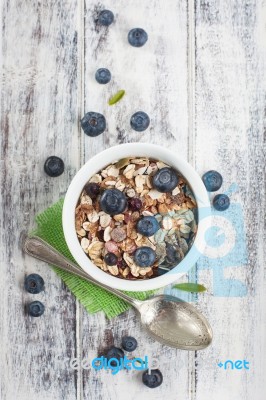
(41, 250)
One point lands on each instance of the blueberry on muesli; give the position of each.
(144, 256)
(147, 226)
(113, 201)
(110, 259)
(92, 189)
(136, 218)
(165, 180)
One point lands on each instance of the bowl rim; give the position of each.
(99, 161)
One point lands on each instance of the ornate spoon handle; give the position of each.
(41, 250)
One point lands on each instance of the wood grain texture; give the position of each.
(155, 80)
(201, 79)
(38, 119)
(230, 102)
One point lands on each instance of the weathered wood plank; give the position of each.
(230, 101)
(155, 80)
(39, 109)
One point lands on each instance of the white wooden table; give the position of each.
(201, 78)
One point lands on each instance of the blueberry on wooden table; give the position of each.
(212, 180)
(92, 189)
(137, 37)
(114, 352)
(165, 180)
(54, 166)
(147, 226)
(103, 76)
(113, 201)
(35, 309)
(129, 343)
(221, 202)
(152, 380)
(140, 121)
(144, 256)
(106, 18)
(34, 283)
(93, 124)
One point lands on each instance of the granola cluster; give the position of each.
(100, 233)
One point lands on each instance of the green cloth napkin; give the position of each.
(93, 298)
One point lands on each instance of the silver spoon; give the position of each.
(168, 319)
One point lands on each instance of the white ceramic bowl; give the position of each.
(94, 165)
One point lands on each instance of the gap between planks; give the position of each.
(191, 65)
(80, 106)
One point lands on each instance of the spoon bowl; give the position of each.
(175, 323)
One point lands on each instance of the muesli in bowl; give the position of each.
(136, 218)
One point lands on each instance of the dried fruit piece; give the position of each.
(111, 246)
(118, 234)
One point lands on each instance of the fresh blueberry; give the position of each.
(103, 75)
(135, 204)
(139, 121)
(137, 37)
(35, 309)
(152, 380)
(54, 166)
(106, 17)
(129, 343)
(172, 255)
(165, 180)
(147, 226)
(34, 283)
(92, 189)
(221, 202)
(144, 256)
(110, 259)
(93, 124)
(114, 352)
(113, 201)
(212, 180)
